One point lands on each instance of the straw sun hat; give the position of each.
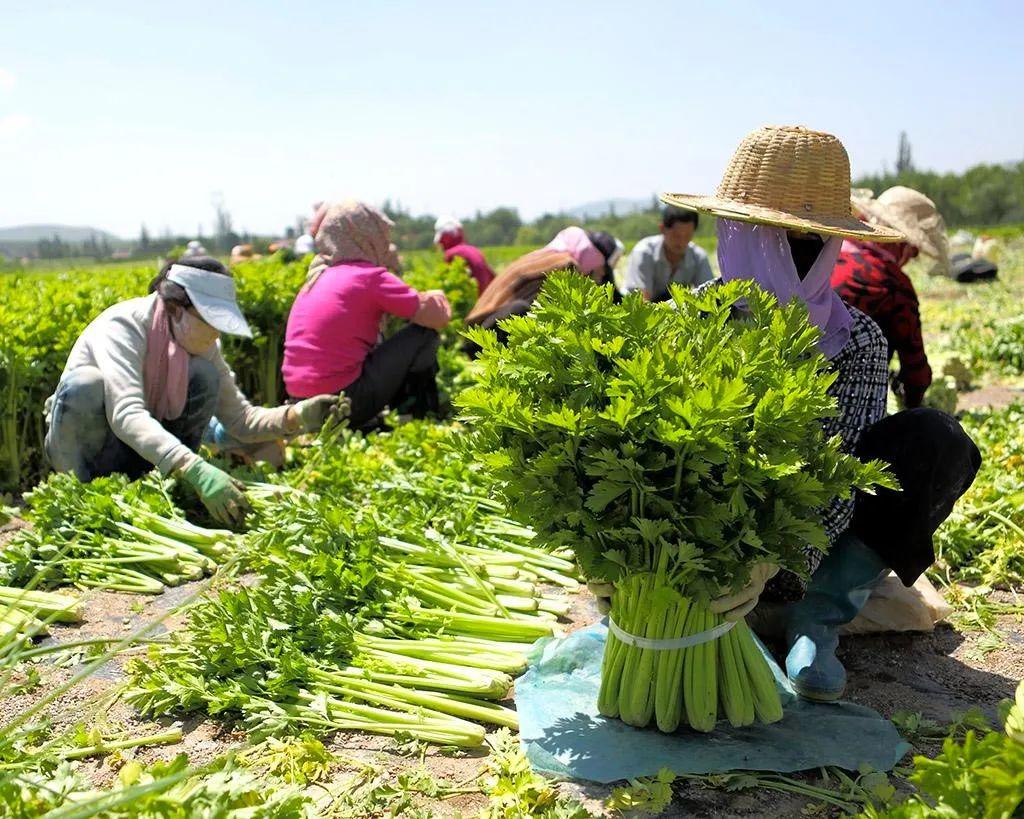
(789, 177)
(911, 213)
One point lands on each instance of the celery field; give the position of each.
(354, 651)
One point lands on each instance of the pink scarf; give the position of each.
(575, 242)
(165, 370)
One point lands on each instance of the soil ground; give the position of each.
(938, 675)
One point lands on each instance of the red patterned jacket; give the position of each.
(868, 277)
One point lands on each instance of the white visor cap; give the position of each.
(213, 296)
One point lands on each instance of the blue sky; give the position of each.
(113, 114)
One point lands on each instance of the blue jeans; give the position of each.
(80, 440)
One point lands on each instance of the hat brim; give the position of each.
(878, 212)
(222, 315)
(742, 212)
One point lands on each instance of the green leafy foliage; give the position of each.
(981, 777)
(983, 539)
(619, 428)
(646, 796)
(516, 792)
(164, 790)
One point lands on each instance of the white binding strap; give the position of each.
(670, 645)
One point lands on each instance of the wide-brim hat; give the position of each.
(911, 213)
(213, 296)
(790, 177)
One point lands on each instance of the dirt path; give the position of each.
(994, 396)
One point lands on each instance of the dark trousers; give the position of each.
(80, 440)
(935, 462)
(401, 369)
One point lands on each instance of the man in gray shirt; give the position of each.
(657, 261)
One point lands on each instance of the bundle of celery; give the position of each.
(25, 613)
(670, 447)
(109, 533)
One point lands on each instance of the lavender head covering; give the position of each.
(761, 254)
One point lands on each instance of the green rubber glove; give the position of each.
(221, 494)
(312, 413)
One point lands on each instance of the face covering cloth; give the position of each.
(761, 253)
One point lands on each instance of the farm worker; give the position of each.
(450, 236)
(242, 253)
(193, 250)
(332, 339)
(593, 254)
(146, 377)
(784, 209)
(304, 244)
(668, 258)
(869, 276)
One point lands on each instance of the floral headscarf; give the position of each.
(351, 231)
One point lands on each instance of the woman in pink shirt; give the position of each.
(332, 340)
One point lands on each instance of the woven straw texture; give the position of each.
(790, 177)
(910, 212)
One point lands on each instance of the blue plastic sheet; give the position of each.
(563, 734)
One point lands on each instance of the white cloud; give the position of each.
(7, 80)
(14, 124)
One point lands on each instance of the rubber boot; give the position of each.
(837, 591)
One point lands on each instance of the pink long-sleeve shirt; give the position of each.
(333, 326)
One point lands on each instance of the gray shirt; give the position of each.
(649, 269)
(115, 343)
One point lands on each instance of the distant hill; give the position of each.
(621, 207)
(67, 233)
(23, 240)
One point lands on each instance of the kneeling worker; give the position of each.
(450, 236)
(869, 276)
(332, 341)
(593, 254)
(145, 378)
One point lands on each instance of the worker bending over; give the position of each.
(146, 377)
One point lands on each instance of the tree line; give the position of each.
(504, 226)
(983, 195)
